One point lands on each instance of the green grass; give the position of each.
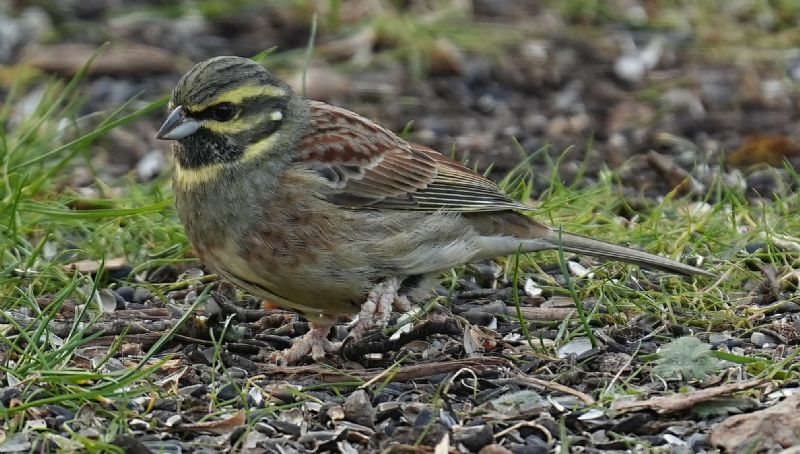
(719, 235)
(43, 226)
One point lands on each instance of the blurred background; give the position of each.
(671, 94)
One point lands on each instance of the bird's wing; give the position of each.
(367, 165)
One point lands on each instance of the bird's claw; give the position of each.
(315, 342)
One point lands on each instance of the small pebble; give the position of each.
(762, 340)
(58, 410)
(769, 183)
(424, 418)
(58, 422)
(197, 390)
(126, 293)
(717, 339)
(141, 295)
(228, 391)
(474, 438)
(752, 248)
(577, 347)
(163, 274)
(121, 303)
(120, 273)
(517, 448)
(358, 409)
(494, 448)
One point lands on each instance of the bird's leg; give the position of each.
(315, 341)
(402, 304)
(374, 312)
(378, 307)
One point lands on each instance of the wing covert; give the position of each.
(367, 165)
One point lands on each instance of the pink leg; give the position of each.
(402, 304)
(315, 341)
(378, 307)
(374, 312)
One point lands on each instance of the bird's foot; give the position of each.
(376, 310)
(315, 342)
(402, 304)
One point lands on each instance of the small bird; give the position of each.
(325, 212)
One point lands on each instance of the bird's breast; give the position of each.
(285, 245)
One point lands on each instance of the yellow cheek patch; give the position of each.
(261, 147)
(237, 95)
(188, 178)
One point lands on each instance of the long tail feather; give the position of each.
(579, 244)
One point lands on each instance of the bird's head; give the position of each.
(223, 111)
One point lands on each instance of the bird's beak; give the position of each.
(178, 125)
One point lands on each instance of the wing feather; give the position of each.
(369, 166)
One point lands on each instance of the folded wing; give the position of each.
(366, 165)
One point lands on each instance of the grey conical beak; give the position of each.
(178, 125)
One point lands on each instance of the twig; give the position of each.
(405, 373)
(684, 401)
(532, 424)
(107, 327)
(242, 314)
(525, 380)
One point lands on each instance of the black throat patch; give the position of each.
(205, 147)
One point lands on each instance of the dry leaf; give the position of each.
(771, 150)
(685, 401)
(764, 430)
(219, 427)
(92, 266)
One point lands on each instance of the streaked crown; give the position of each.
(209, 79)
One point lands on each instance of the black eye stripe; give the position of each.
(255, 105)
(223, 112)
(209, 112)
(263, 105)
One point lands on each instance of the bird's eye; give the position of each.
(223, 112)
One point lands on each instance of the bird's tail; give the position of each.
(508, 232)
(580, 244)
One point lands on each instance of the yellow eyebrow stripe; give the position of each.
(237, 95)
